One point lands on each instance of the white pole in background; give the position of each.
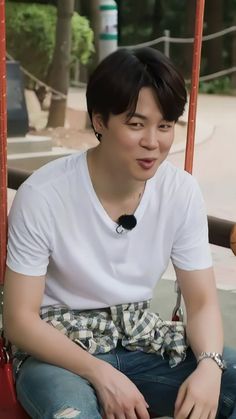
(167, 43)
(108, 38)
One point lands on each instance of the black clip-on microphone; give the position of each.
(127, 222)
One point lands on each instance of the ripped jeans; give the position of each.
(50, 392)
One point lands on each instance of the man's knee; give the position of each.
(67, 413)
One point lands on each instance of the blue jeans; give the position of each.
(50, 392)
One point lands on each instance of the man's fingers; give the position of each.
(121, 416)
(111, 416)
(198, 413)
(180, 399)
(185, 409)
(138, 412)
(131, 415)
(212, 414)
(141, 411)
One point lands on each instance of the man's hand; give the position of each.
(119, 397)
(198, 396)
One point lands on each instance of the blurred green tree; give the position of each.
(31, 39)
(145, 21)
(30, 31)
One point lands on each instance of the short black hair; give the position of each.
(114, 86)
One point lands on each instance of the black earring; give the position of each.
(98, 135)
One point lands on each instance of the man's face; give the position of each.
(137, 146)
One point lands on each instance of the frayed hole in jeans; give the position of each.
(67, 413)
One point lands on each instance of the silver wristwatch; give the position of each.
(216, 357)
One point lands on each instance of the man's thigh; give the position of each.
(47, 392)
(157, 381)
(160, 384)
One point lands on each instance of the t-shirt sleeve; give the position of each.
(29, 233)
(191, 250)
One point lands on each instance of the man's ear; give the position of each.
(98, 123)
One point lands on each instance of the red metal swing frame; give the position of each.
(11, 408)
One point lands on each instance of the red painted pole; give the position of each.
(3, 144)
(194, 85)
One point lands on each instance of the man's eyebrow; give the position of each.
(139, 115)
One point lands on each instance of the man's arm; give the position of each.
(199, 394)
(24, 327)
(204, 324)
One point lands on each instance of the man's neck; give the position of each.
(110, 184)
(116, 195)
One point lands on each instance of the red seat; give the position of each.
(10, 407)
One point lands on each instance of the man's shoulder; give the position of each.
(174, 177)
(55, 173)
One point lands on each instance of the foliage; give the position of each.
(221, 85)
(144, 21)
(82, 39)
(138, 19)
(30, 36)
(30, 31)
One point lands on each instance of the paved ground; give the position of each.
(215, 169)
(165, 298)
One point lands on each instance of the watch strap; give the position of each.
(215, 357)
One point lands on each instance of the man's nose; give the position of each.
(150, 139)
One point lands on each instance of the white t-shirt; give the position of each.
(58, 228)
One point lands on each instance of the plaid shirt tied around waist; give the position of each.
(98, 331)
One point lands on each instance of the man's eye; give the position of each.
(165, 126)
(136, 124)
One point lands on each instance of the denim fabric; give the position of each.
(50, 392)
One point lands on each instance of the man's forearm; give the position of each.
(204, 330)
(44, 342)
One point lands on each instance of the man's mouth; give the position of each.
(146, 163)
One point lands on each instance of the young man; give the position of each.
(89, 237)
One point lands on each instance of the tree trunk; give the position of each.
(234, 58)
(157, 18)
(59, 74)
(95, 24)
(214, 47)
(90, 9)
(189, 33)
